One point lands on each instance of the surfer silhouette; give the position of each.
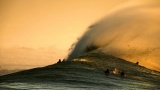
(122, 73)
(63, 60)
(59, 61)
(137, 63)
(107, 72)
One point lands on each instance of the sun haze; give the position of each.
(38, 32)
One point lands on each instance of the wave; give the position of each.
(131, 33)
(84, 72)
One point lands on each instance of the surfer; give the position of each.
(116, 71)
(107, 72)
(59, 61)
(122, 73)
(63, 60)
(137, 63)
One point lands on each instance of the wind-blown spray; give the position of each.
(131, 33)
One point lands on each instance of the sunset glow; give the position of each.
(49, 24)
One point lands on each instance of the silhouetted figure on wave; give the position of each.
(59, 61)
(63, 60)
(137, 63)
(107, 72)
(122, 73)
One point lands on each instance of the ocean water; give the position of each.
(108, 83)
(84, 73)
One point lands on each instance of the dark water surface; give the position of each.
(86, 72)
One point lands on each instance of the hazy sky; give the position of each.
(48, 23)
(43, 23)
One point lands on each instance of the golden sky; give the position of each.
(43, 23)
(47, 23)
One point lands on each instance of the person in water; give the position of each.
(107, 71)
(122, 73)
(116, 71)
(59, 61)
(137, 63)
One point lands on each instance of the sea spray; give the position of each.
(131, 33)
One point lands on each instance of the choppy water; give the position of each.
(109, 82)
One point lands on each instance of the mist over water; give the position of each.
(131, 33)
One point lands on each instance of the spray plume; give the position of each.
(131, 32)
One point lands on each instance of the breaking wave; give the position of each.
(130, 32)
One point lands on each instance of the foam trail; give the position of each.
(131, 33)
